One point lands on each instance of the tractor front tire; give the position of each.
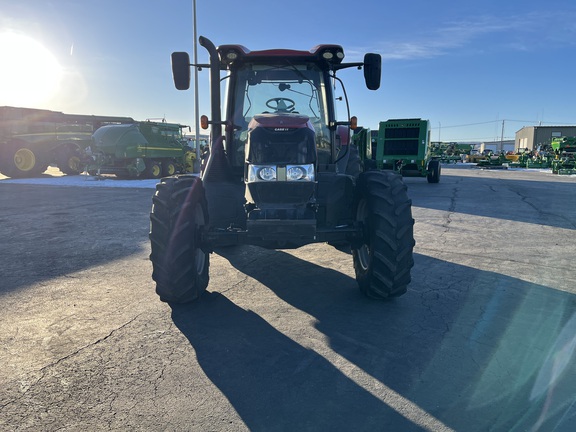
(384, 259)
(179, 215)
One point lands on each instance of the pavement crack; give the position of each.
(42, 371)
(102, 339)
(544, 215)
(232, 286)
(451, 210)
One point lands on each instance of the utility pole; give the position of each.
(502, 137)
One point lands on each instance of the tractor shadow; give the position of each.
(48, 232)
(272, 382)
(476, 350)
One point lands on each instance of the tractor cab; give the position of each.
(279, 102)
(285, 97)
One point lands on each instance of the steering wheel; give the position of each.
(280, 104)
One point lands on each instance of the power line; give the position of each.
(502, 120)
(485, 139)
(469, 124)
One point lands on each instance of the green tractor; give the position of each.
(565, 155)
(140, 150)
(403, 146)
(280, 173)
(32, 139)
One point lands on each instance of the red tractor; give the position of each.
(280, 173)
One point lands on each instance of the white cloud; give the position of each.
(526, 32)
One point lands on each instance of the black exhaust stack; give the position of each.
(216, 120)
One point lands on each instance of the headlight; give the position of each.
(261, 173)
(267, 173)
(300, 172)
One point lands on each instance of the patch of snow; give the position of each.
(85, 181)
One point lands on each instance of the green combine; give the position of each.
(141, 150)
(403, 145)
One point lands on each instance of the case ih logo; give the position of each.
(279, 129)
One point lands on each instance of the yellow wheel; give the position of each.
(24, 159)
(168, 168)
(21, 161)
(153, 169)
(156, 171)
(69, 160)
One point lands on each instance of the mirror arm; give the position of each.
(347, 65)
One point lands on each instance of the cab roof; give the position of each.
(327, 54)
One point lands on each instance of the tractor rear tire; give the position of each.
(179, 215)
(434, 170)
(384, 260)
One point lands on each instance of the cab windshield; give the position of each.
(287, 90)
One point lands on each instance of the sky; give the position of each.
(479, 71)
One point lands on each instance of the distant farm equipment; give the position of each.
(492, 160)
(565, 155)
(33, 139)
(141, 150)
(525, 158)
(475, 156)
(451, 152)
(403, 145)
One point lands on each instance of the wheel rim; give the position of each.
(199, 256)
(170, 169)
(364, 250)
(156, 170)
(74, 163)
(24, 159)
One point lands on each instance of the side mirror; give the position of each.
(372, 70)
(181, 70)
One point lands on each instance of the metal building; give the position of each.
(498, 146)
(532, 137)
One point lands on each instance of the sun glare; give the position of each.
(30, 74)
